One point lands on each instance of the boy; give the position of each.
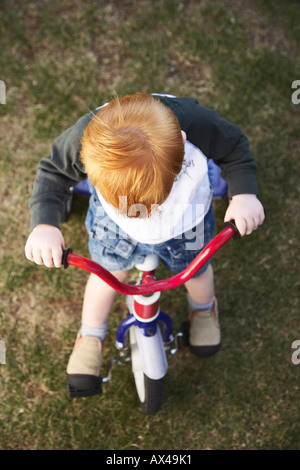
(146, 157)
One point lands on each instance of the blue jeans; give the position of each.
(113, 249)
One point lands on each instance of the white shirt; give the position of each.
(184, 208)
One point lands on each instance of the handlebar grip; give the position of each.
(65, 256)
(231, 224)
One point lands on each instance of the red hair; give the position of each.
(133, 147)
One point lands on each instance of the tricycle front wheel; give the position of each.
(149, 390)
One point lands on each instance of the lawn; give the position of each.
(60, 59)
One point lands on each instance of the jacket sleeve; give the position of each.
(56, 175)
(230, 149)
(223, 142)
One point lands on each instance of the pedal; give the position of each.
(120, 360)
(180, 337)
(185, 329)
(110, 363)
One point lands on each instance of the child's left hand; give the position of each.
(246, 211)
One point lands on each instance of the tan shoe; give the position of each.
(83, 370)
(204, 334)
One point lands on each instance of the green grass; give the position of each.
(61, 59)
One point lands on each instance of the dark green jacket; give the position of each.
(216, 137)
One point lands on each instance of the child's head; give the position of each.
(133, 147)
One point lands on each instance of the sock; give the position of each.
(99, 332)
(194, 306)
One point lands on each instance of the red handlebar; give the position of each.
(154, 286)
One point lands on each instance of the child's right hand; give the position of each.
(44, 246)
